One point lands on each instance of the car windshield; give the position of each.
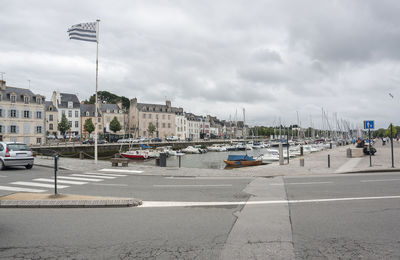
(18, 147)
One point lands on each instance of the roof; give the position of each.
(158, 108)
(20, 92)
(65, 98)
(87, 108)
(50, 104)
(109, 107)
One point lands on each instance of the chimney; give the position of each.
(133, 102)
(2, 85)
(119, 104)
(168, 103)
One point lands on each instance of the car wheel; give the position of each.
(29, 166)
(1, 165)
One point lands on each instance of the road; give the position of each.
(320, 217)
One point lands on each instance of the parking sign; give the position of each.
(369, 124)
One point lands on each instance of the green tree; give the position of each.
(89, 126)
(63, 125)
(115, 126)
(151, 129)
(109, 98)
(387, 133)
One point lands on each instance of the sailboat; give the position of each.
(242, 160)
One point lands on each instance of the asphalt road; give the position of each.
(320, 217)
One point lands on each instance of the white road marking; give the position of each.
(118, 185)
(61, 181)
(78, 179)
(106, 174)
(92, 176)
(148, 204)
(35, 184)
(301, 183)
(2, 176)
(8, 188)
(204, 185)
(120, 170)
(380, 180)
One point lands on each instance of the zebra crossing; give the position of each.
(38, 185)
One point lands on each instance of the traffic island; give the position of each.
(35, 200)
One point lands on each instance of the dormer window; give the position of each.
(87, 113)
(13, 98)
(70, 104)
(38, 100)
(50, 109)
(26, 100)
(108, 110)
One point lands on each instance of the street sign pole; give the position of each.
(370, 156)
(391, 143)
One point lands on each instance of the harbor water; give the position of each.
(209, 160)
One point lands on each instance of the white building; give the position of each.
(181, 126)
(193, 126)
(69, 105)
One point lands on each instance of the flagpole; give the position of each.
(96, 100)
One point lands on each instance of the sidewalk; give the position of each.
(315, 163)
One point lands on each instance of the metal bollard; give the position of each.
(330, 145)
(55, 173)
(81, 155)
(329, 161)
(180, 158)
(301, 151)
(301, 162)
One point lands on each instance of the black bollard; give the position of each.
(55, 173)
(329, 161)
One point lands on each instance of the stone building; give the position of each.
(87, 112)
(22, 115)
(51, 118)
(108, 112)
(161, 116)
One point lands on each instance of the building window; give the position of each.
(70, 123)
(13, 129)
(38, 100)
(1, 129)
(13, 113)
(38, 140)
(87, 113)
(13, 99)
(38, 114)
(169, 125)
(69, 113)
(144, 116)
(50, 126)
(1, 112)
(26, 114)
(76, 114)
(26, 100)
(163, 125)
(76, 124)
(70, 104)
(63, 112)
(149, 116)
(50, 117)
(144, 133)
(38, 129)
(99, 119)
(169, 117)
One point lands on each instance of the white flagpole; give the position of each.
(96, 101)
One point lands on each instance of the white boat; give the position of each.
(216, 148)
(270, 156)
(191, 150)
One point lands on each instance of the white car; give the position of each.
(15, 154)
(172, 138)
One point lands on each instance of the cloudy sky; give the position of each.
(273, 58)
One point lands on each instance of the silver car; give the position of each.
(15, 154)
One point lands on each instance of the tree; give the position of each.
(63, 125)
(387, 133)
(89, 126)
(115, 126)
(109, 98)
(151, 129)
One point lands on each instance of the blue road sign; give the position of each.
(369, 124)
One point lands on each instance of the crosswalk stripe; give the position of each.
(93, 176)
(35, 184)
(106, 174)
(120, 170)
(61, 181)
(8, 188)
(78, 179)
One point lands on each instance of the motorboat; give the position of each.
(241, 160)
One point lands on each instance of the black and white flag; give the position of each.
(83, 32)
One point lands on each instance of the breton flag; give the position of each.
(83, 32)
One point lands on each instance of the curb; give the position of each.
(52, 167)
(117, 203)
(373, 171)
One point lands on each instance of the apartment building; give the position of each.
(193, 126)
(180, 126)
(51, 118)
(161, 116)
(22, 115)
(108, 112)
(87, 111)
(68, 105)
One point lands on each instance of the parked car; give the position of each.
(172, 138)
(156, 139)
(15, 154)
(102, 141)
(88, 141)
